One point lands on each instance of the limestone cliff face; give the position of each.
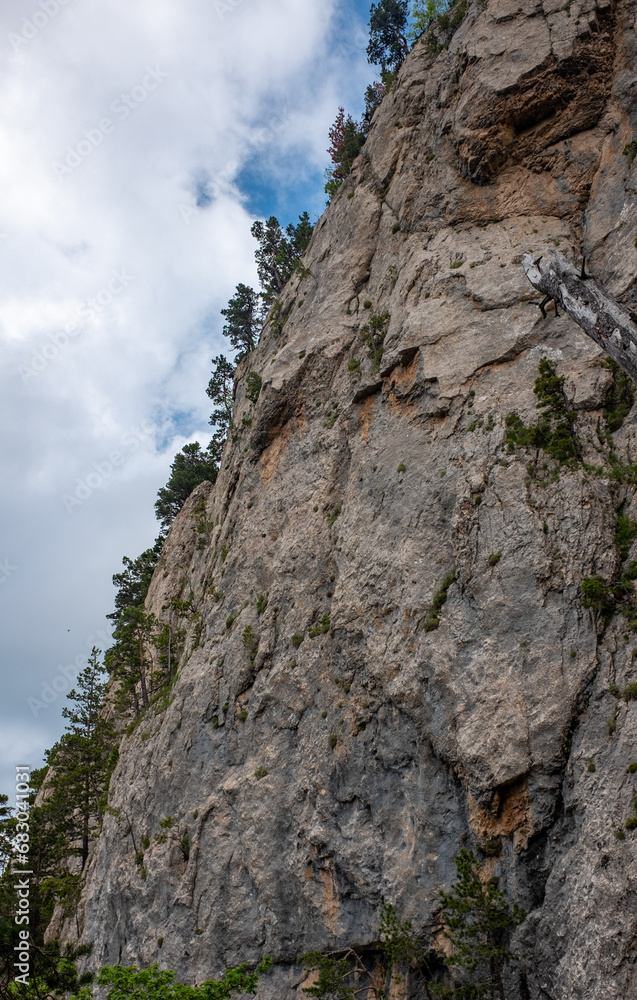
(317, 779)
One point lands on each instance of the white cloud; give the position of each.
(114, 270)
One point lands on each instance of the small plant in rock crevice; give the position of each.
(432, 620)
(373, 335)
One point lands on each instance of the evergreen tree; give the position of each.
(191, 466)
(346, 141)
(388, 46)
(82, 760)
(133, 583)
(129, 657)
(221, 392)
(244, 316)
(478, 919)
(279, 254)
(373, 97)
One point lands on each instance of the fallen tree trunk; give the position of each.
(600, 316)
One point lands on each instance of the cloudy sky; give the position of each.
(139, 142)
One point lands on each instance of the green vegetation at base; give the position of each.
(477, 920)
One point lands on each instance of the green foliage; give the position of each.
(424, 13)
(402, 467)
(251, 641)
(260, 773)
(296, 640)
(253, 386)
(221, 391)
(373, 335)
(347, 138)
(554, 432)
(167, 823)
(333, 740)
(353, 365)
(478, 919)
(432, 620)
(82, 762)
(630, 150)
(262, 603)
(334, 514)
(320, 629)
(630, 692)
(191, 466)
(278, 253)
(130, 983)
(244, 320)
(620, 396)
(388, 46)
(494, 558)
(625, 533)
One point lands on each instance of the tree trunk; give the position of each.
(601, 318)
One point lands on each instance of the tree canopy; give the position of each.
(388, 45)
(191, 466)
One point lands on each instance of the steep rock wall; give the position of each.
(347, 496)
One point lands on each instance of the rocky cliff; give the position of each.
(326, 746)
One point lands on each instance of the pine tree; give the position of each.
(191, 466)
(82, 760)
(279, 254)
(221, 392)
(244, 315)
(388, 46)
(478, 919)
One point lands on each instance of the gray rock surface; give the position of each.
(351, 494)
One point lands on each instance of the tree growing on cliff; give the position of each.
(279, 253)
(191, 466)
(478, 920)
(221, 391)
(82, 760)
(244, 319)
(388, 46)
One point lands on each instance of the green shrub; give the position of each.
(242, 715)
(296, 640)
(160, 941)
(321, 628)
(250, 640)
(632, 767)
(625, 533)
(353, 364)
(456, 263)
(402, 467)
(432, 620)
(396, 227)
(167, 823)
(620, 834)
(335, 513)
(145, 842)
(260, 772)
(373, 335)
(591, 766)
(367, 304)
(262, 603)
(253, 386)
(554, 432)
(631, 824)
(232, 618)
(333, 740)
(630, 692)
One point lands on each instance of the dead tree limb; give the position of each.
(600, 316)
